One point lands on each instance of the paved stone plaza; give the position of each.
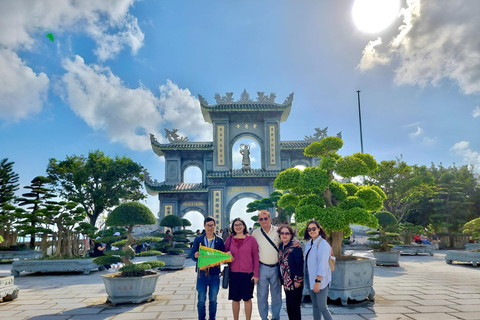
(422, 288)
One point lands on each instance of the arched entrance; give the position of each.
(237, 207)
(193, 174)
(255, 148)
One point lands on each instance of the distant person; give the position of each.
(99, 250)
(210, 278)
(198, 232)
(417, 239)
(435, 240)
(225, 234)
(424, 239)
(244, 269)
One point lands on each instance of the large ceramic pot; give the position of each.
(387, 258)
(353, 280)
(26, 254)
(172, 261)
(129, 289)
(8, 291)
(463, 256)
(83, 265)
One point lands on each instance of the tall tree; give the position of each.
(97, 182)
(30, 219)
(404, 185)
(8, 186)
(452, 201)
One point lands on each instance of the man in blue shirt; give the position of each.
(209, 278)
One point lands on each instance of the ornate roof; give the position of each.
(243, 173)
(154, 187)
(158, 147)
(263, 103)
(294, 144)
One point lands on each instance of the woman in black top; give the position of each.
(291, 271)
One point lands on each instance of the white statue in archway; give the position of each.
(245, 152)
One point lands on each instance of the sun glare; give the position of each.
(372, 16)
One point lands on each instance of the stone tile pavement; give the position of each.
(422, 288)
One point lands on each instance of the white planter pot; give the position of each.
(129, 289)
(353, 280)
(387, 258)
(8, 291)
(173, 261)
(463, 256)
(83, 265)
(26, 254)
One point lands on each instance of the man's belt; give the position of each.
(269, 265)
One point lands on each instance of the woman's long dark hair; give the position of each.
(306, 235)
(244, 226)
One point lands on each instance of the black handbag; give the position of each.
(226, 273)
(226, 277)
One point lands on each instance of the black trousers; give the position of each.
(293, 301)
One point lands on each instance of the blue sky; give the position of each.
(118, 70)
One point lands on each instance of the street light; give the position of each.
(360, 119)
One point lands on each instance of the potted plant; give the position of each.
(173, 256)
(316, 195)
(134, 283)
(385, 238)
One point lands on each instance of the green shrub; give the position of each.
(149, 253)
(174, 251)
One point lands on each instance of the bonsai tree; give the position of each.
(408, 230)
(283, 214)
(316, 195)
(129, 215)
(171, 221)
(386, 233)
(186, 223)
(472, 228)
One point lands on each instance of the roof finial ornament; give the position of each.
(245, 97)
(318, 135)
(289, 99)
(263, 98)
(202, 100)
(228, 97)
(173, 137)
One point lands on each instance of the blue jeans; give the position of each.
(202, 283)
(269, 277)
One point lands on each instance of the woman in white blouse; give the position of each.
(317, 271)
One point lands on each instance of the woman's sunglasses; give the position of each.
(312, 229)
(284, 233)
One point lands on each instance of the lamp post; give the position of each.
(360, 119)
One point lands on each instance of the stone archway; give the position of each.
(235, 199)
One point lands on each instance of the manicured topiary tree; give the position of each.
(472, 228)
(387, 232)
(129, 215)
(316, 195)
(171, 221)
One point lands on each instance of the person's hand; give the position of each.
(233, 259)
(197, 254)
(297, 284)
(255, 280)
(316, 287)
(296, 244)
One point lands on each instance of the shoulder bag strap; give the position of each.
(269, 240)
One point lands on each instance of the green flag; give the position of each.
(210, 257)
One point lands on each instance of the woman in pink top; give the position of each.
(244, 268)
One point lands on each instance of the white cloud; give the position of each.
(128, 115)
(372, 57)
(416, 133)
(108, 22)
(438, 39)
(22, 91)
(470, 157)
(476, 112)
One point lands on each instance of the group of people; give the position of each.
(423, 239)
(269, 258)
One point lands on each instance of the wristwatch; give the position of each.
(317, 281)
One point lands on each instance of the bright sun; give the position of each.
(372, 16)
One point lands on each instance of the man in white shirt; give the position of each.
(268, 254)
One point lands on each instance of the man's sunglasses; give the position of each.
(312, 229)
(261, 219)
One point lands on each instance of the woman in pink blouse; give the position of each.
(244, 268)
